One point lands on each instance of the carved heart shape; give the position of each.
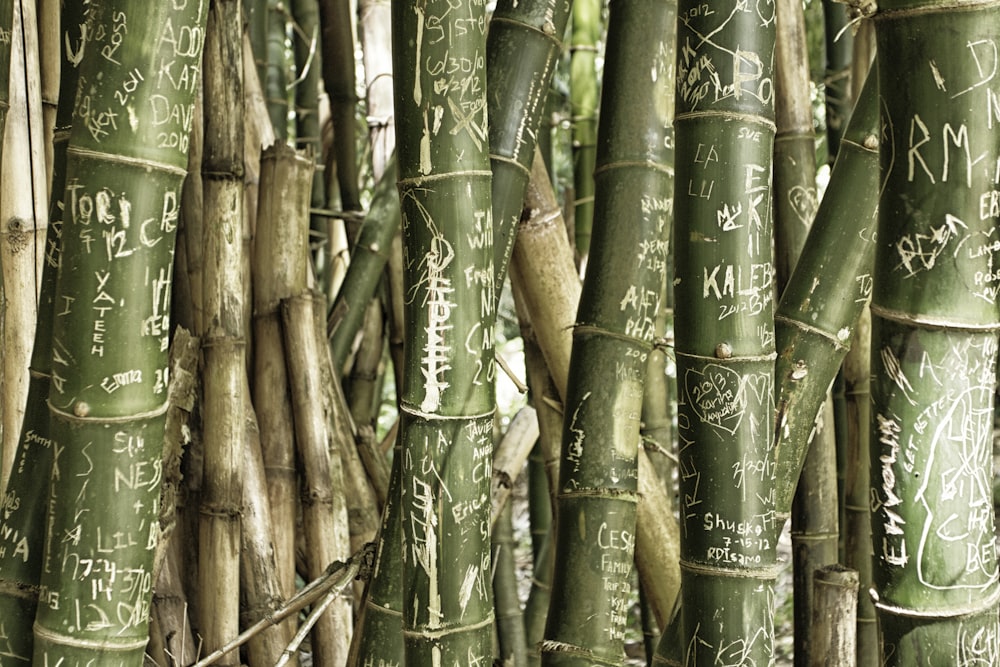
(804, 202)
(716, 396)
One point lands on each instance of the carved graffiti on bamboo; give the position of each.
(700, 79)
(919, 251)
(435, 290)
(720, 396)
(732, 651)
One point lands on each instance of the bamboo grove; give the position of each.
(533, 332)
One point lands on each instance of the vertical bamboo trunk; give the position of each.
(277, 68)
(374, 31)
(583, 98)
(815, 530)
(109, 375)
(725, 350)
(510, 623)
(339, 80)
(279, 271)
(523, 48)
(23, 205)
(324, 515)
(857, 526)
(598, 486)
(223, 340)
(795, 198)
(934, 337)
(447, 396)
(839, 43)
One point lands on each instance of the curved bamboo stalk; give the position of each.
(22, 524)
(935, 330)
(817, 313)
(339, 81)
(109, 375)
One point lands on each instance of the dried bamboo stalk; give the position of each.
(323, 511)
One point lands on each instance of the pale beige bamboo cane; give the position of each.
(544, 276)
(279, 271)
(543, 270)
(170, 609)
(374, 27)
(835, 594)
(657, 542)
(323, 512)
(224, 337)
(358, 493)
(23, 224)
(262, 593)
(510, 456)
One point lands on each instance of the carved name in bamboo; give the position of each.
(934, 486)
(104, 111)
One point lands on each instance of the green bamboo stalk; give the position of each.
(814, 532)
(279, 271)
(277, 68)
(934, 337)
(725, 350)
(25, 501)
(378, 636)
(598, 485)
(224, 337)
(50, 54)
(510, 620)
(109, 382)
(339, 81)
(839, 42)
(447, 396)
(857, 527)
(364, 382)
(523, 49)
(368, 260)
(817, 312)
(6, 38)
(583, 101)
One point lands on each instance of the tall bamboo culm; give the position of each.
(725, 352)
(109, 386)
(598, 483)
(223, 339)
(934, 336)
(447, 396)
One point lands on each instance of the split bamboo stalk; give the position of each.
(261, 591)
(279, 271)
(835, 593)
(223, 340)
(323, 511)
(23, 222)
(509, 457)
(22, 526)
